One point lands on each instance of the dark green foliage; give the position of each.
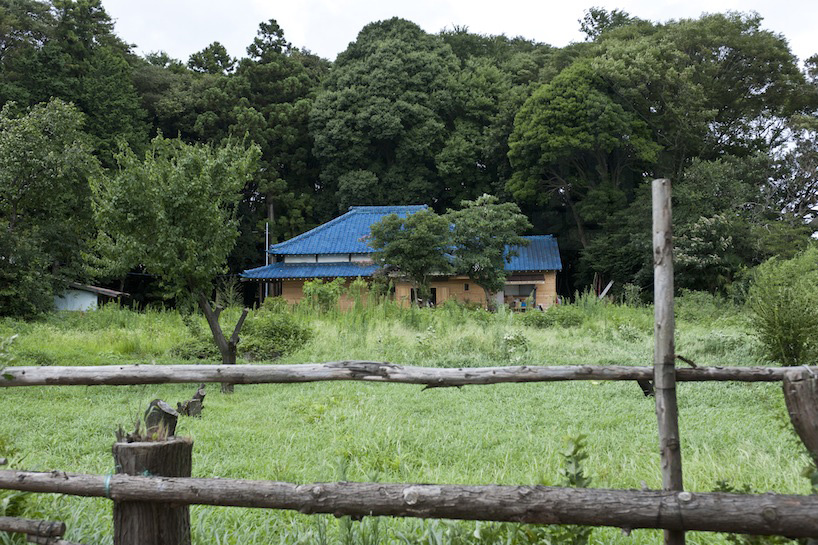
(67, 49)
(598, 20)
(269, 334)
(385, 112)
(213, 59)
(174, 212)
(482, 229)
(414, 247)
(45, 212)
(783, 298)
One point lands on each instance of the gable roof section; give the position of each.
(541, 254)
(345, 234)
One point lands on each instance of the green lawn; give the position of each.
(505, 434)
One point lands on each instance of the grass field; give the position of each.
(505, 434)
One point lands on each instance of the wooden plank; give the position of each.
(369, 371)
(768, 514)
(44, 528)
(667, 412)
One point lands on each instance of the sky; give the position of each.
(326, 27)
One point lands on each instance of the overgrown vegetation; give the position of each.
(784, 301)
(507, 434)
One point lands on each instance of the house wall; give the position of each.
(293, 291)
(451, 288)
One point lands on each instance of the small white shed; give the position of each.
(80, 297)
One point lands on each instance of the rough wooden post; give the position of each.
(664, 371)
(139, 523)
(801, 395)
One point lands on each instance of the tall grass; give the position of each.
(506, 434)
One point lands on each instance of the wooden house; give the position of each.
(339, 248)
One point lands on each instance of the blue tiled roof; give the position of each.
(279, 271)
(541, 254)
(343, 235)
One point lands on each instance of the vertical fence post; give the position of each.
(155, 523)
(664, 370)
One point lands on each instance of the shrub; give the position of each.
(567, 315)
(783, 300)
(268, 335)
(275, 304)
(538, 319)
(323, 296)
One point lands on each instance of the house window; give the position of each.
(465, 287)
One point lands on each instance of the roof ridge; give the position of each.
(353, 210)
(311, 232)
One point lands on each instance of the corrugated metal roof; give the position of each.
(278, 271)
(345, 234)
(541, 254)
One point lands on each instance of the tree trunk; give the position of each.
(227, 347)
(157, 523)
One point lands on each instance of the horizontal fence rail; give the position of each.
(432, 377)
(767, 514)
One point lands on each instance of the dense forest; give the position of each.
(572, 135)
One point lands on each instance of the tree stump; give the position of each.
(160, 420)
(193, 407)
(154, 523)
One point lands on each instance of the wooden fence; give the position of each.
(672, 509)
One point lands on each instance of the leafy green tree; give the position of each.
(575, 148)
(385, 111)
(705, 87)
(414, 247)
(174, 213)
(67, 49)
(45, 209)
(597, 20)
(213, 59)
(482, 230)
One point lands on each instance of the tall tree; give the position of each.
(385, 114)
(67, 49)
(575, 147)
(213, 59)
(45, 209)
(483, 230)
(174, 212)
(414, 247)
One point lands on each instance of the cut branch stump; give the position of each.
(157, 523)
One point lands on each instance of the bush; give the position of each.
(783, 300)
(321, 295)
(268, 335)
(535, 318)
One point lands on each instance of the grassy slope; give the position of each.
(507, 434)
